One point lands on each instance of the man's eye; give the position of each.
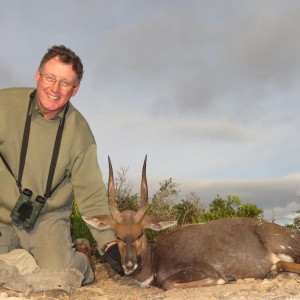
(65, 83)
(51, 78)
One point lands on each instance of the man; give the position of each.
(48, 150)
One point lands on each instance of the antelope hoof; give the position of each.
(230, 279)
(272, 274)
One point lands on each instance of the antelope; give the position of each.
(197, 255)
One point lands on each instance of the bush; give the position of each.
(296, 224)
(231, 207)
(189, 210)
(79, 229)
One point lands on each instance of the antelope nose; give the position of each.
(129, 264)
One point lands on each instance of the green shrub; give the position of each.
(79, 229)
(231, 207)
(296, 224)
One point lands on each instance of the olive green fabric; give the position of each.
(20, 272)
(50, 245)
(77, 158)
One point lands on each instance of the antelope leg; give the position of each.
(283, 266)
(193, 277)
(168, 284)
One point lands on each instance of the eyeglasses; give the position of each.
(64, 84)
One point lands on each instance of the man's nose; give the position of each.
(55, 86)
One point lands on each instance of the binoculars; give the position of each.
(27, 211)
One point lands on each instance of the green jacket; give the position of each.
(77, 158)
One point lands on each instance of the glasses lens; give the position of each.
(48, 79)
(64, 85)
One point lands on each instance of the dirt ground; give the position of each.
(109, 286)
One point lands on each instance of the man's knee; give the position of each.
(62, 260)
(50, 242)
(8, 239)
(53, 258)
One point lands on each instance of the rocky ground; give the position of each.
(110, 286)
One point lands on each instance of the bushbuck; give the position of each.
(197, 254)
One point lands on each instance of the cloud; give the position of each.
(227, 64)
(221, 131)
(283, 214)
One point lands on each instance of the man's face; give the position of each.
(52, 97)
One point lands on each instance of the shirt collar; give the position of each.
(34, 110)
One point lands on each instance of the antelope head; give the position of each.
(129, 225)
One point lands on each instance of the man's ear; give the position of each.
(37, 76)
(75, 89)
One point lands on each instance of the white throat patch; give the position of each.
(147, 282)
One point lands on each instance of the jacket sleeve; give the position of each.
(90, 192)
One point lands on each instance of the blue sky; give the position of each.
(208, 89)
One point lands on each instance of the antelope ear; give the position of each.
(157, 223)
(100, 222)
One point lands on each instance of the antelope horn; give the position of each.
(144, 195)
(112, 195)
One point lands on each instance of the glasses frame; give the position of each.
(70, 85)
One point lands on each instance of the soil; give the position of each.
(110, 286)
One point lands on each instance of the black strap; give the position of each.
(55, 153)
(25, 141)
(24, 147)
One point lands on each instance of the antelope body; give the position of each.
(198, 254)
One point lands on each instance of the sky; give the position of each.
(208, 89)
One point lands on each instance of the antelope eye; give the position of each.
(119, 239)
(140, 236)
(137, 239)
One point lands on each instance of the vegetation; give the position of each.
(231, 207)
(296, 224)
(79, 229)
(125, 197)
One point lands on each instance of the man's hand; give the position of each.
(113, 258)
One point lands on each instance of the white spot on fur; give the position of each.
(147, 282)
(282, 247)
(221, 281)
(285, 257)
(273, 258)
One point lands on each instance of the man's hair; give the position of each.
(66, 56)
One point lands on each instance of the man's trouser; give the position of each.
(49, 242)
